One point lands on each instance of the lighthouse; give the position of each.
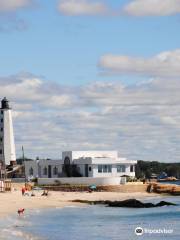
(7, 146)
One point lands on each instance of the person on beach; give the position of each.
(45, 193)
(32, 194)
(23, 191)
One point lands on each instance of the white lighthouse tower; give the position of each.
(7, 146)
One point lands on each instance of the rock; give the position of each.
(164, 203)
(129, 203)
(133, 203)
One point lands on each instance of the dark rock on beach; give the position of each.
(133, 203)
(129, 203)
(163, 203)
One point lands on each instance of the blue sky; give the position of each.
(67, 48)
(114, 63)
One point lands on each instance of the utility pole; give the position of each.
(23, 162)
(23, 156)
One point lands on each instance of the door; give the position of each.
(86, 170)
(49, 172)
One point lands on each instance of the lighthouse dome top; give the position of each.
(5, 103)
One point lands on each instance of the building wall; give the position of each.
(81, 168)
(114, 172)
(39, 167)
(92, 154)
(108, 174)
(94, 171)
(28, 166)
(90, 173)
(67, 154)
(82, 180)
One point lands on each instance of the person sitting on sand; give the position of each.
(45, 193)
(32, 194)
(26, 193)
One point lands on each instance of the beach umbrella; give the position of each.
(92, 187)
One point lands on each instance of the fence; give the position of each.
(5, 185)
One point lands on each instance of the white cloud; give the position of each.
(137, 8)
(56, 101)
(152, 7)
(82, 7)
(165, 64)
(141, 121)
(13, 5)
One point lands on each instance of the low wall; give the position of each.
(82, 181)
(127, 188)
(166, 188)
(2, 186)
(17, 180)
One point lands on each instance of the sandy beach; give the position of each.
(10, 202)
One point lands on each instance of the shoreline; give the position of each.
(10, 202)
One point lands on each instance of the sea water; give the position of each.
(95, 223)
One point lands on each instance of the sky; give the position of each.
(93, 75)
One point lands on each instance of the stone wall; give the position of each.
(103, 184)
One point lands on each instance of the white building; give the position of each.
(82, 164)
(7, 146)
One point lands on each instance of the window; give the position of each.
(131, 168)
(1, 139)
(1, 129)
(1, 120)
(99, 168)
(89, 169)
(109, 168)
(1, 151)
(67, 161)
(55, 171)
(31, 171)
(104, 168)
(2, 112)
(45, 171)
(121, 168)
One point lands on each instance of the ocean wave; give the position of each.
(74, 206)
(12, 234)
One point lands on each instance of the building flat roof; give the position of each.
(103, 161)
